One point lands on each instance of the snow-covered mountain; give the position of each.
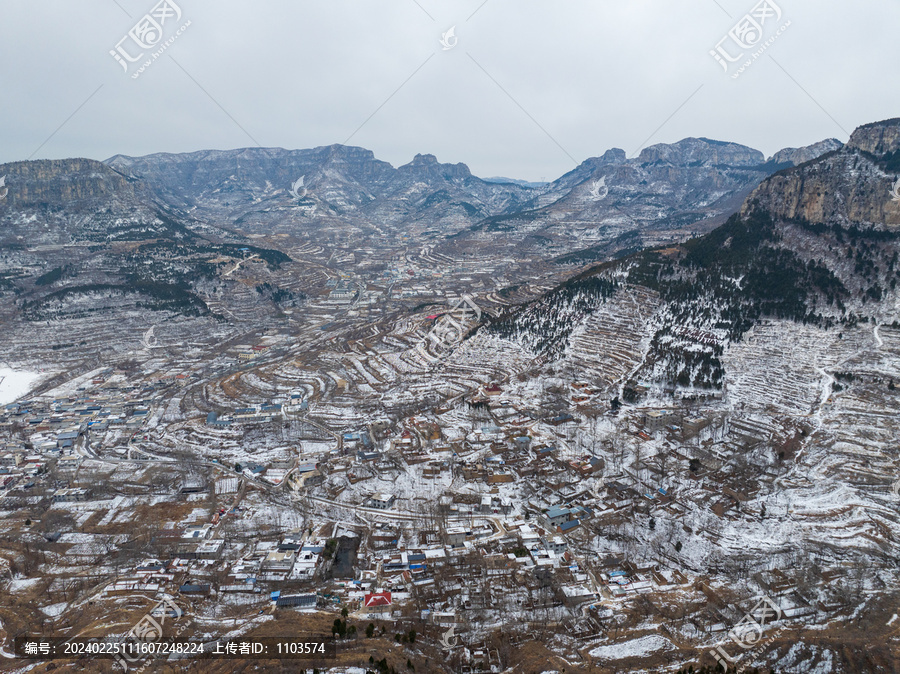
(817, 244)
(254, 187)
(86, 250)
(611, 204)
(605, 205)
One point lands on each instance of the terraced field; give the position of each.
(611, 343)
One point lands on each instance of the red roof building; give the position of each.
(377, 601)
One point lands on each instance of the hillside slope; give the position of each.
(815, 244)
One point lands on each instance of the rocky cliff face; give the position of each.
(234, 178)
(878, 138)
(61, 182)
(795, 156)
(78, 238)
(61, 201)
(584, 171)
(849, 186)
(427, 165)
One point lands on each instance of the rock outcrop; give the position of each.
(849, 186)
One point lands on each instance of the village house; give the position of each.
(378, 602)
(586, 466)
(380, 501)
(456, 536)
(557, 545)
(557, 516)
(692, 425)
(295, 601)
(367, 455)
(560, 419)
(200, 531)
(655, 420)
(494, 505)
(383, 536)
(279, 561)
(195, 589)
(210, 550)
(492, 389)
(307, 559)
(71, 494)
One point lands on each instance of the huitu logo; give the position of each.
(4, 190)
(135, 646)
(449, 638)
(449, 39)
(146, 34)
(149, 340)
(298, 191)
(599, 190)
(896, 488)
(747, 34)
(749, 632)
(895, 192)
(452, 326)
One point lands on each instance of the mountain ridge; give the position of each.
(777, 257)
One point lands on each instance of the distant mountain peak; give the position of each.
(801, 155)
(424, 159)
(614, 155)
(430, 164)
(694, 151)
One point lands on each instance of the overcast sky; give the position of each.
(526, 90)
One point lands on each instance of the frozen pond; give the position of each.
(15, 383)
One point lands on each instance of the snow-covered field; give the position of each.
(15, 384)
(22, 584)
(641, 646)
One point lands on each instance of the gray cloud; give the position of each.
(528, 83)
